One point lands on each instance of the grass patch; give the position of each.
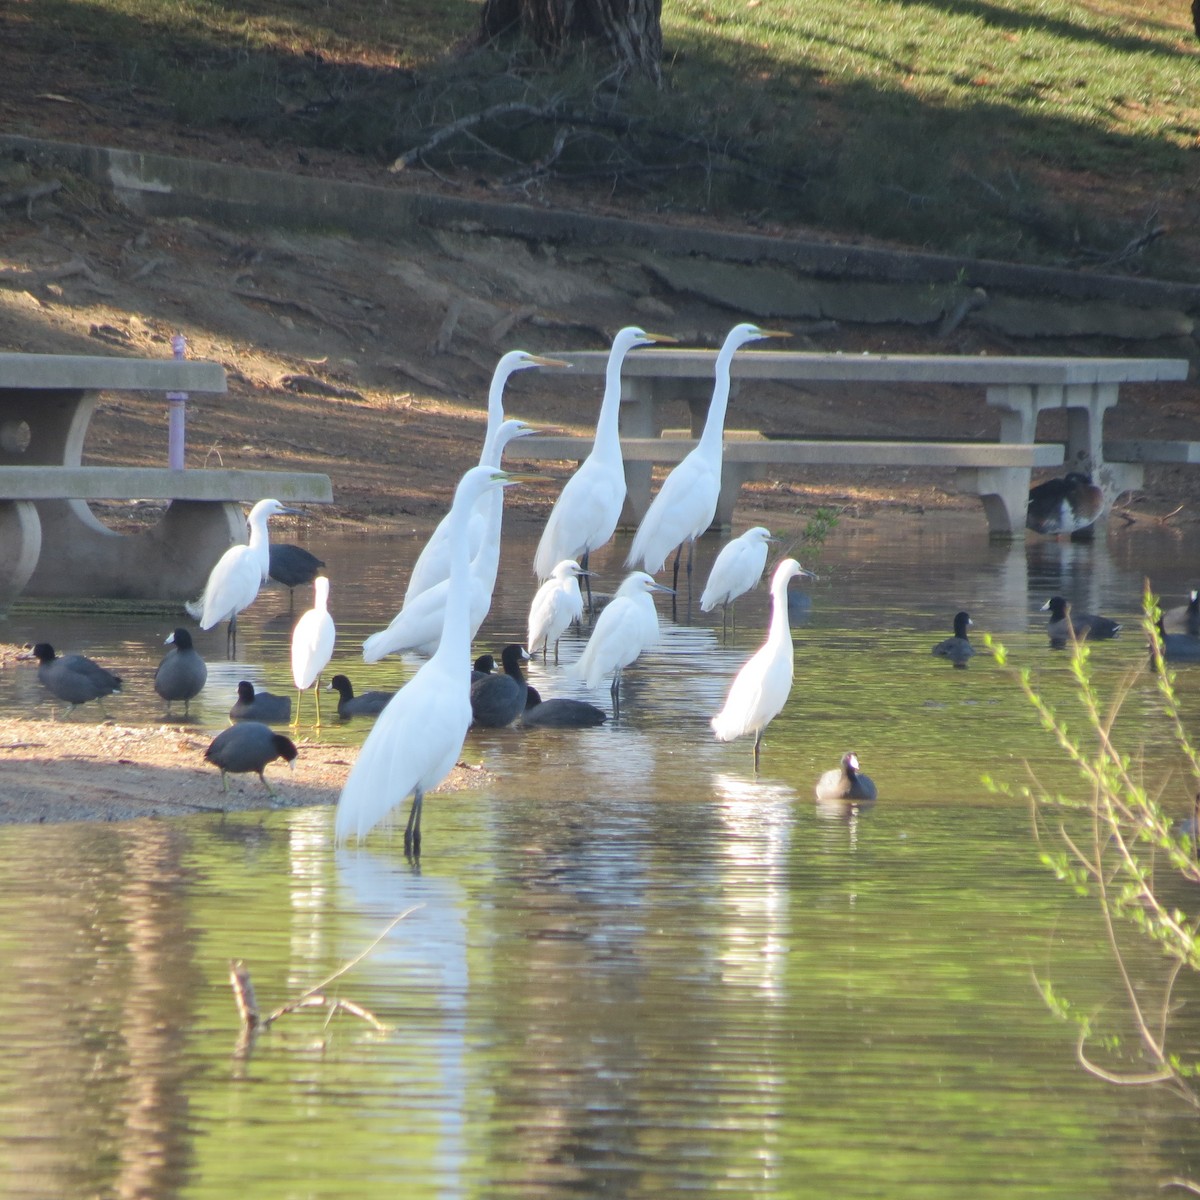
(1024, 129)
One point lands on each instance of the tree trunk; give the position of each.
(631, 30)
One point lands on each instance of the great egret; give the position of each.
(292, 566)
(498, 700)
(259, 706)
(73, 678)
(736, 570)
(368, 704)
(586, 513)
(561, 712)
(627, 626)
(1066, 505)
(234, 582)
(419, 735)
(762, 686)
(846, 782)
(1185, 618)
(1064, 625)
(687, 501)
(312, 645)
(418, 625)
(182, 673)
(248, 747)
(433, 563)
(555, 605)
(957, 648)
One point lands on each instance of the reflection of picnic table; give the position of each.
(51, 544)
(996, 470)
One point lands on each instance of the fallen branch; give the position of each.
(300, 306)
(423, 377)
(472, 119)
(310, 385)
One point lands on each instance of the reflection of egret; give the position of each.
(737, 569)
(368, 704)
(418, 625)
(182, 673)
(687, 501)
(627, 626)
(846, 782)
(433, 563)
(248, 747)
(555, 605)
(498, 700)
(73, 678)
(234, 582)
(417, 738)
(586, 513)
(312, 645)
(259, 706)
(957, 648)
(762, 686)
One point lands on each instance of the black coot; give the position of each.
(248, 746)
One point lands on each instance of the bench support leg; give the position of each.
(170, 561)
(1005, 495)
(20, 546)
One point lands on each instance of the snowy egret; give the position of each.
(73, 678)
(846, 782)
(1065, 625)
(312, 645)
(1066, 505)
(957, 648)
(561, 713)
(761, 687)
(418, 625)
(687, 501)
(182, 673)
(1185, 618)
(368, 704)
(433, 563)
(292, 566)
(259, 706)
(498, 700)
(627, 626)
(736, 570)
(247, 747)
(555, 605)
(234, 582)
(417, 738)
(586, 513)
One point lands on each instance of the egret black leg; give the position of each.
(757, 745)
(675, 583)
(616, 695)
(412, 831)
(587, 581)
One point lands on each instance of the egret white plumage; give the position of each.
(736, 570)
(433, 563)
(418, 625)
(312, 645)
(762, 686)
(586, 513)
(687, 501)
(556, 604)
(627, 626)
(419, 735)
(234, 582)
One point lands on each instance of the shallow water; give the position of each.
(631, 968)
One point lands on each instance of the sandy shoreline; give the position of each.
(53, 771)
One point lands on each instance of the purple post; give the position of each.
(176, 412)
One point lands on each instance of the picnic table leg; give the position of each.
(168, 561)
(20, 546)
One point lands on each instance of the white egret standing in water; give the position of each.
(557, 603)
(762, 686)
(312, 645)
(418, 737)
(687, 501)
(737, 569)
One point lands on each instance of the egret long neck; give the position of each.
(260, 545)
(714, 423)
(495, 414)
(607, 441)
(780, 632)
(455, 646)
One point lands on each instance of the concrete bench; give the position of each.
(1020, 387)
(983, 468)
(52, 544)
